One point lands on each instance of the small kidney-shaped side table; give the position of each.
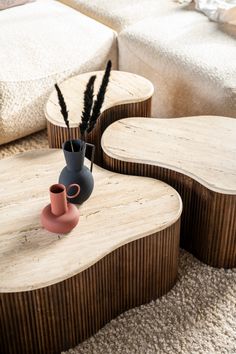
(196, 156)
(57, 290)
(128, 95)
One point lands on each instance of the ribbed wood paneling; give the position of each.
(57, 135)
(208, 222)
(58, 317)
(213, 227)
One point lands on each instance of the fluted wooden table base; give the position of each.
(57, 290)
(128, 95)
(195, 159)
(58, 317)
(208, 227)
(57, 134)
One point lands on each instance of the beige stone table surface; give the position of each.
(127, 95)
(121, 209)
(196, 156)
(203, 148)
(123, 88)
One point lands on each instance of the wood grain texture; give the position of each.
(127, 95)
(196, 156)
(58, 317)
(57, 290)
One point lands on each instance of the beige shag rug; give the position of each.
(198, 316)
(31, 142)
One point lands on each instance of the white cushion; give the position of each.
(42, 43)
(119, 14)
(190, 60)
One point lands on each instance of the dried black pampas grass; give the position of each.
(88, 104)
(64, 112)
(100, 97)
(91, 109)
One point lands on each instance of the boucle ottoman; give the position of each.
(190, 60)
(41, 43)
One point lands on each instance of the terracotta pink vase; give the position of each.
(60, 216)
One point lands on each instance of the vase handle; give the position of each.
(92, 155)
(75, 194)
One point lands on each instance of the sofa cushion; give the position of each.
(119, 14)
(5, 4)
(190, 60)
(41, 44)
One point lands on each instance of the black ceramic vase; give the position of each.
(75, 171)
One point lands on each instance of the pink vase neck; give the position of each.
(58, 199)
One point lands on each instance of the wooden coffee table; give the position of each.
(56, 290)
(128, 95)
(197, 156)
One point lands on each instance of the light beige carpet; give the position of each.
(198, 316)
(34, 141)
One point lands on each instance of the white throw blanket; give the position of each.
(217, 10)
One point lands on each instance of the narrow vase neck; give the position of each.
(74, 159)
(58, 199)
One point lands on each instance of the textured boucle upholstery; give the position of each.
(190, 60)
(41, 43)
(119, 14)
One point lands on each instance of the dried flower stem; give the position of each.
(100, 97)
(88, 103)
(64, 112)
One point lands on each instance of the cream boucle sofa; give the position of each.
(44, 42)
(120, 14)
(190, 60)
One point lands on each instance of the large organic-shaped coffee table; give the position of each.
(128, 95)
(56, 290)
(197, 156)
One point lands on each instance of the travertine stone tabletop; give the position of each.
(57, 290)
(123, 88)
(203, 148)
(127, 95)
(197, 156)
(120, 210)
